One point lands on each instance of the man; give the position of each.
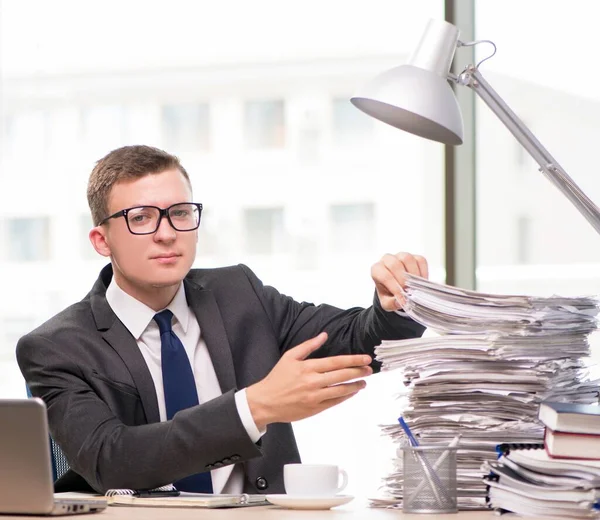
(115, 369)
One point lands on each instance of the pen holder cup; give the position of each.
(429, 479)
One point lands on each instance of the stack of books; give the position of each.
(483, 376)
(559, 478)
(572, 430)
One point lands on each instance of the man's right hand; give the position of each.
(297, 387)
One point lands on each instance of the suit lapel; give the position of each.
(203, 304)
(121, 340)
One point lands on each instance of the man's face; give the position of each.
(143, 263)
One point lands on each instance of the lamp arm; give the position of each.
(471, 77)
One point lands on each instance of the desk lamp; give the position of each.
(417, 98)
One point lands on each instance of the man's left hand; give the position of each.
(388, 275)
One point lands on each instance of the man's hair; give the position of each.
(124, 164)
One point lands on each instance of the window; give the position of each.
(563, 115)
(264, 231)
(352, 227)
(284, 207)
(186, 127)
(264, 124)
(350, 126)
(28, 239)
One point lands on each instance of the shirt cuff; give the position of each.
(241, 403)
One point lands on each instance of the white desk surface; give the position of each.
(356, 510)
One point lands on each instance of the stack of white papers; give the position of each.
(496, 359)
(449, 310)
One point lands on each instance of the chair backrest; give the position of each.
(60, 465)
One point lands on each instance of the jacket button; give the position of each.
(261, 483)
(235, 458)
(226, 461)
(218, 465)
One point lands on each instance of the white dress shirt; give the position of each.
(138, 319)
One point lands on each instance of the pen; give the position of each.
(411, 438)
(156, 493)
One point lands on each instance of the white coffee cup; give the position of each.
(314, 479)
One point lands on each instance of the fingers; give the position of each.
(303, 350)
(423, 266)
(388, 288)
(347, 374)
(389, 277)
(334, 363)
(341, 391)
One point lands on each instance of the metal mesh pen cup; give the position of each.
(429, 479)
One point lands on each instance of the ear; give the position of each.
(98, 239)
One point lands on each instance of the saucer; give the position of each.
(309, 502)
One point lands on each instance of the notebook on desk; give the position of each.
(25, 464)
(124, 497)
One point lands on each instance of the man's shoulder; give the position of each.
(75, 317)
(211, 277)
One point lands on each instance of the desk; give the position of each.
(356, 510)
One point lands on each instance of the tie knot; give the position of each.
(163, 319)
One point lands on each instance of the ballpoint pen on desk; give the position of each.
(433, 478)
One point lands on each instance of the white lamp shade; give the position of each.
(415, 100)
(417, 97)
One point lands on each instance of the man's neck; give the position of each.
(157, 298)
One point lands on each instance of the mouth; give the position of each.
(165, 257)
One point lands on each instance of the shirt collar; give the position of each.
(136, 316)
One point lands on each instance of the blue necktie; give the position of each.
(180, 390)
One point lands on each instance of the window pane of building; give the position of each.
(352, 227)
(264, 124)
(185, 127)
(350, 127)
(264, 231)
(28, 239)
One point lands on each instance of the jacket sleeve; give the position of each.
(350, 331)
(107, 452)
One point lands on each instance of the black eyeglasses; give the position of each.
(145, 220)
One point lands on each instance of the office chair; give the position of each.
(60, 465)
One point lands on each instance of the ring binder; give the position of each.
(504, 448)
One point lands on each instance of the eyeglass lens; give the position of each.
(145, 219)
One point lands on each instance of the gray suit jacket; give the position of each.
(102, 406)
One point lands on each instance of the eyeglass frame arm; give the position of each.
(471, 77)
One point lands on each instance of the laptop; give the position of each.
(26, 485)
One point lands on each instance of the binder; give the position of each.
(525, 480)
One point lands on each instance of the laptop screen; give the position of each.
(25, 463)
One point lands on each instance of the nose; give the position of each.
(165, 232)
